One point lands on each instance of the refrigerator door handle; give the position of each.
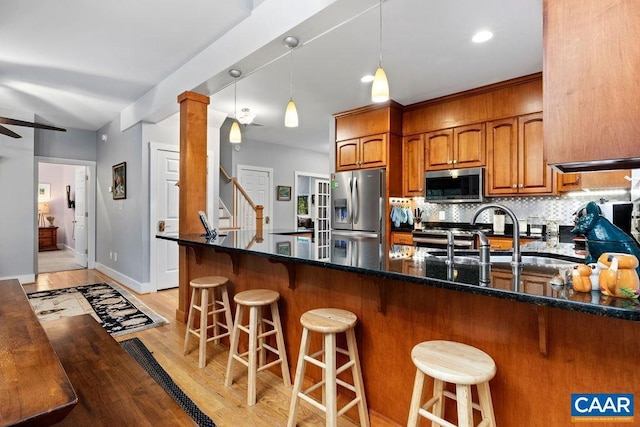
(350, 203)
(356, 205)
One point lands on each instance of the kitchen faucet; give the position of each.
(517, 257)
(450, 246)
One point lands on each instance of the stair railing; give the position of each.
(243, 206)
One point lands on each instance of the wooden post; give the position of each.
(193, 182)
(259, 219)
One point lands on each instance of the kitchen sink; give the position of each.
(534, 260)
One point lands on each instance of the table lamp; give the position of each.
(43, 209)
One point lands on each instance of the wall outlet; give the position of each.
(115, 256)
(110, 254)
(442, 216)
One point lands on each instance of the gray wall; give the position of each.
(74, 144)
(18, 212)
(120, 223)
(284, 161)
(18, 181)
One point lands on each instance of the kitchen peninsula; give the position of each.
(545, 346)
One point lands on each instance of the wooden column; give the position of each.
(193, 181)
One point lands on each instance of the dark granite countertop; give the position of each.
(363, 255)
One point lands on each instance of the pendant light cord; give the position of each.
(380, 63)
(291, 77)
(235, 97)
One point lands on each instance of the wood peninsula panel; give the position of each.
(507, 330)
(505, 99)
(591, 85)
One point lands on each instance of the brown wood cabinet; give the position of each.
(591, 86)
(500, 243)
(529, 283)
(515, 157)
(460, 147)
(362, 153)
(593, 180)
(47, 239)
(413, 155)
(371, 137)
(401, 238)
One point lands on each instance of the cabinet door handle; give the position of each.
(520, 185)
(514, 186)
(455, 161)
(449, 162)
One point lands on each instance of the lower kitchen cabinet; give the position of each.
(400, 238)
(499, 243)
(530, 283)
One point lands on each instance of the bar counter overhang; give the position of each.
(546, 347)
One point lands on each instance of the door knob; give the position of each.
(161, 226)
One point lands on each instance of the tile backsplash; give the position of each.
(560, 208)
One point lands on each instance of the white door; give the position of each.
(80, 219)
(322, 227)
(167, 205)
(257, 182)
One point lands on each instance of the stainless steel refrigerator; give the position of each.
(358, 202)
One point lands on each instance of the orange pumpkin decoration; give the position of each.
(620, 279)
(581, 278)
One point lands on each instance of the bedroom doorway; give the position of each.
(66, 204)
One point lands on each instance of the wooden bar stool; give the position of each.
(455, 363)
(329, 322)
(204, 291)
(256, 299)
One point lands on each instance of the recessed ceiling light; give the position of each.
(367, 78)
(482, 36)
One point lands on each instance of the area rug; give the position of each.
(144, 357)
(116, 309)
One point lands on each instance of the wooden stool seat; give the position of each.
(203, 291)
(256, 297)
(255, 358)
(454, 363)
(329, 322)
(208, 282)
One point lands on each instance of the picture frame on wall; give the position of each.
(283, 193)
(119, 179)
(44, 192)
(283, 248)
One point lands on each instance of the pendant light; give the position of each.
(291, 113)
(380, 86)
(235, 136)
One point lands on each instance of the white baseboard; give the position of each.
(141, 288)
(23, 279)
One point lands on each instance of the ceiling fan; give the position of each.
(14, 122)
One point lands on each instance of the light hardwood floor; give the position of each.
(226, 406)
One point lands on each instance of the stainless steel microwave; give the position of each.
(454, 186)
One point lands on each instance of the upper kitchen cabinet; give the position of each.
(358, 153)
(460, 147)
(591, 84)
(413, 155)
(594, 180)
(369, 137)
(515, 157)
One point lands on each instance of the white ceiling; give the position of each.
(79, 63)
